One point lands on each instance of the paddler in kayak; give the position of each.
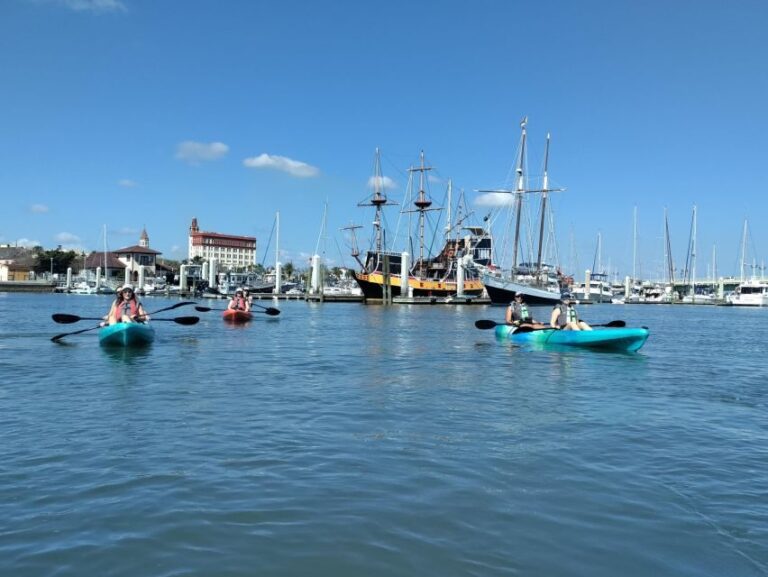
(564, 316)
(126, 308)
(519, 315)
(239, 302)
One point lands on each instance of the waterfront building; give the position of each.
(138, 258)
(229, 251)
(16, 264)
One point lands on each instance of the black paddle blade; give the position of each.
(271, 311)
(203, 309)
(484, 324)
(64, 318)
(616, 324)
(185, 320)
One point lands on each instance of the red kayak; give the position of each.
(237, 317)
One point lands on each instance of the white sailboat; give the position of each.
(537, 282)
(595, 288)
(752, 292)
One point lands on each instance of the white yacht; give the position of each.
(599, 290)
(751, 293)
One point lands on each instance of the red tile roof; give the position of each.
(136, 249)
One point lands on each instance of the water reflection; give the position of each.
(128, 355)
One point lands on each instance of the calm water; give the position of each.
(346, 440)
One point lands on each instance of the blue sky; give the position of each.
(132, 113)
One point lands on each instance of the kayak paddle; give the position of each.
(271, 311)
(68, 319)
(61, 318)
(612, 324)
(484, 324)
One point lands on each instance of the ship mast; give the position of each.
(544, 191)
(743, 250)
(519, 190)
(422, 204)
(379, 200)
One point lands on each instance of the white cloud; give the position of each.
(127, 183)
(38, 208)
(384, 182)
(25, 242)
(292, 167)
(175, 249)
(196, 152)
(90, 5)
(66, 237)
(494, 199)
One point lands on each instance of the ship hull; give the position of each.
(502, 292)
(372, 286)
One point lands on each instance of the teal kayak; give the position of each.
(126, 335)
(615, 339)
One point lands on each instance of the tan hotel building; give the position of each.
(230, 251)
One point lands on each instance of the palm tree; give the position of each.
(288, 270)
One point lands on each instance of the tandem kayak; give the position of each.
(126, 335)
(237, 317)
(614, 339)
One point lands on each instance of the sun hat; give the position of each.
(126, 286)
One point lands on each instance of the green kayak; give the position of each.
(616, 339)
(126, 335)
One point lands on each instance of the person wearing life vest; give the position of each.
(239, 302)
(519, 315)
(564, 316)
(126, 308)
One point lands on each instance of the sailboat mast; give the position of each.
(378, 201)
(277, 239)
(422, 204)
(448, 224)
(544, 190)
(693, 255)
(600, 252)
(519, 190)
(634, 245)
(743, 249)
(106, 262)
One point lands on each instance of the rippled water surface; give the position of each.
(340, 439)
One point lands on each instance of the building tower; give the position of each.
(144, 238)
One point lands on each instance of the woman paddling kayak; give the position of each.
(564, 316)
(126, 308)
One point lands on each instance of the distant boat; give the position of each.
(600, 290)
(83, 288)
(386, 273)
(751, 293)
(230, 281)
(539, 283)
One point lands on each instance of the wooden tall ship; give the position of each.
(386, 273)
